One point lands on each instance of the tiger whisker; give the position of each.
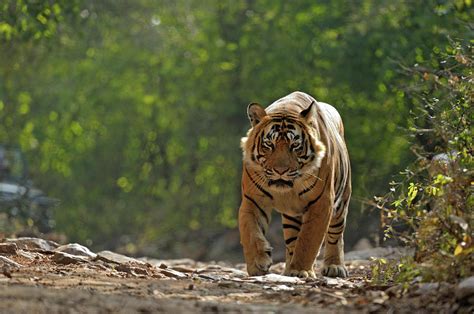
(312, 175)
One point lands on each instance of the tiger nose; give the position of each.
(281, 170)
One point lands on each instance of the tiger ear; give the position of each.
(308, 113)
(255, 112)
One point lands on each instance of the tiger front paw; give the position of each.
(334, 271)
(299, 273)
(260, 264)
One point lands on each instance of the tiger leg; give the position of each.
(291, 228)
(334, 250)
(310, 238)
(334, 242)
(253, 224)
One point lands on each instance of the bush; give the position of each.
(431, 207)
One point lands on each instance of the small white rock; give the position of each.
(76, 249)
(465, 288)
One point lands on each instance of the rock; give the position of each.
(279, 288)
(394, 291)
(465, 288)
(28, 255)
(66, 258)
(8, 262)
(33, 244)
(8, 248)
(275, 278)
(173, 273)
(133, 270)
(111, 257)
(76, 249)
(424, 288)
(183, 269)
(171, 262)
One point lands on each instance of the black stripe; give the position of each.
(335, 233)
(254, 143)
(333, 243)
(287, 226)
(288, 241)
(258, 185)
(294, 219)
(267, 219)
(340, 210)
(338, 224)
(319, 196)
(309, 188)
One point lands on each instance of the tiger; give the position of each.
(295, 161)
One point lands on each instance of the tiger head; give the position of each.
(282, 147)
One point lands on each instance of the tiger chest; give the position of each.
(289, 204)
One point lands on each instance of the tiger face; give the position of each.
(282, 148)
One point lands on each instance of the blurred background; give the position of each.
(120, 121)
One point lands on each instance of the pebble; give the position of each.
(76, 249)
(26, 243)
(8, 262)
(66, 258)
(111, 257)
(172, 273)
(465, 288)
(424, 288)
(8, 248)
(275, 278)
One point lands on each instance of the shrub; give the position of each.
(431, 207)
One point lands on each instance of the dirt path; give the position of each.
(44, 280)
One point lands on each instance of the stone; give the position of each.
(28, 255)
(8, 248)
(183, 269)
(465, 288)
(430, 287)
(66, 258)
(173, 273)
(76, 249)
(171, 262)
(133, 270)
(275, 278)
(26, 243)
(111, 257)
(332, 282)
(279, 288)
(8, 262)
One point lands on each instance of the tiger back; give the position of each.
(295, 161)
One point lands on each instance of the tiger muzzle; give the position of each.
(280, 183)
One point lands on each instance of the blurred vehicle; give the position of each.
(20, 202)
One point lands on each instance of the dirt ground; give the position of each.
(36, 279)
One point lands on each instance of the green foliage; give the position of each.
(434, 200)
(22, 20)
(389, 271)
